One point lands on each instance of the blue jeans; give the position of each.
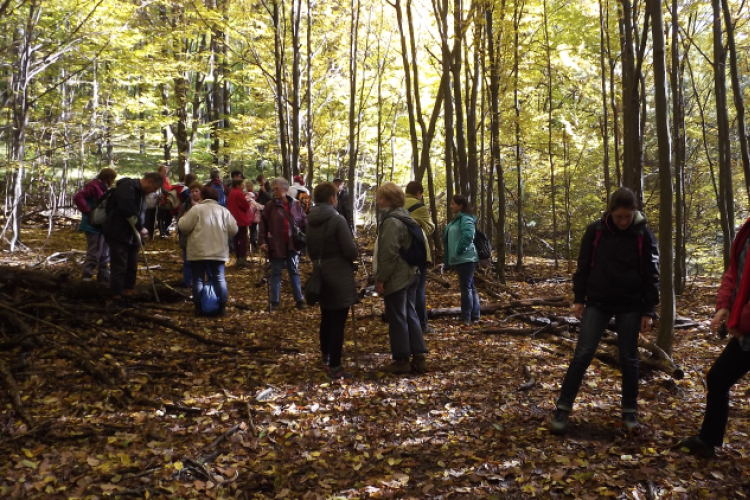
(469, 296)
(292, 268)
(420, 303)
(595, 320)
(215, 271)
(187, 269)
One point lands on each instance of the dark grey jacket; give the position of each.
(128, 201)
(328, 233)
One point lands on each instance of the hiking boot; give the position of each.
(398, 366)
(696, 446)
(301, 305)
(274, 307)
(466, 322)
(418, 363)
(337, 373)
(630, 420)
(559, 422)
(102, 276)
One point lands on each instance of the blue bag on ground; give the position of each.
(209, 300)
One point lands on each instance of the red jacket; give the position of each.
(273, 223)
(729, 281)
(239, 207)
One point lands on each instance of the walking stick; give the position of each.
(267, 268)
(140, 244)
(356, 339)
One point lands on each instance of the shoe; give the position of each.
(427, 329)
(301, 305)
(630, 419)
(418, 363)
(87, 279)
(124, 303)
(696, 446)
(324, 359)
(559, 422)
(274, 307)
(198, 311)
(222, 310)
(398, 366)
(337, 373)
(466, 322)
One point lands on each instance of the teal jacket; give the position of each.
(458, 240)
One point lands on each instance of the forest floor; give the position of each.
(254, 416)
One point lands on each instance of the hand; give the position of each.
(721, 316)
(264, 247)
(144, 233)
(380, 287)
(578, 310)
(647, 322)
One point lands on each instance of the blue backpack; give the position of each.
(416, 254)
(219, 188)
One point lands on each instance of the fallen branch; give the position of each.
(15, 396)
(493, 308)
(530, 380)
(184, 331)
(437, 279)
(216, 442)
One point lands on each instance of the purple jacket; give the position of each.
(272, 226)
(86, 197)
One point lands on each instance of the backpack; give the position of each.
(303, 197)
(98, 213)
(417, 205)
(219, 188)
(482, 244)
(416, 254)
(172, 200)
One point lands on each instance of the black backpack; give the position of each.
(482, 244)
(416, 254)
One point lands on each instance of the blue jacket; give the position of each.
(458, 240)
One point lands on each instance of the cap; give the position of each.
(298, 178)
(338, 179)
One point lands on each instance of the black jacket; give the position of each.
(343, 206)
(615, 272)
(129, 201)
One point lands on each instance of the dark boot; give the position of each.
(398, 366)
(418, 363)
(222, 310)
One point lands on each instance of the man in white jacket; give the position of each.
(208, 227)
(297, 187)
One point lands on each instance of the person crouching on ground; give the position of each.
(208, 227)
(97, 251)
(276, 240)
(397, 282)
(330, 240)
(617, 275)
(732, 314)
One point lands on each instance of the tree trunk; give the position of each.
(678, 154)
(517, 106)
(460, 135)
(353, 153)
(605, 107)
(280, 92)
(296, 18)
(553, 188)
(726, 194)
(665, 337)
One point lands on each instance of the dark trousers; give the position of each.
(254, 235)
(332, 324)
(731, 365)
(123, 263)
(240, 242)
(595, 320)
(403, 324)
(209, 270)
(164, 218)
(470, 309)
(149, 221)
(420, 303)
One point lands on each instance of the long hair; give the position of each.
(466, 207)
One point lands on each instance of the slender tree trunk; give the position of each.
(665, 336)
(407, 82)
(726, 194)
(605, 107)
(549, 137)
(678, 154)
(353, 153)
(471, 121)
(517, 107)
(460, 134)
(280, 92)
(296, 18)
(309, 128)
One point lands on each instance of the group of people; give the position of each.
(617, 274)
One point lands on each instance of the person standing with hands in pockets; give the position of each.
(617, 275)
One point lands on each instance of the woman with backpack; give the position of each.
(397, 281)
(460, 254)
(617, 275)
(97, 251)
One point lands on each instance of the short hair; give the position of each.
(260, 178)
(249, 184)
(280, 181)
(622, 198)
(338, 179)
(237, 172)
(392, 193)
(154, 177)
(209, 193)
(462, 200)
(215, 174)
(238, 183)
(162, 165)
(195, 185)
(323, 192)
(108, 175)
(190, 178)
(414, 187)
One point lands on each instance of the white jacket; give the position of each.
(295, 189)
(208, 227)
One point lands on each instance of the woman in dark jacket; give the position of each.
(617, 275)
(733, 318)
(330, 241)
